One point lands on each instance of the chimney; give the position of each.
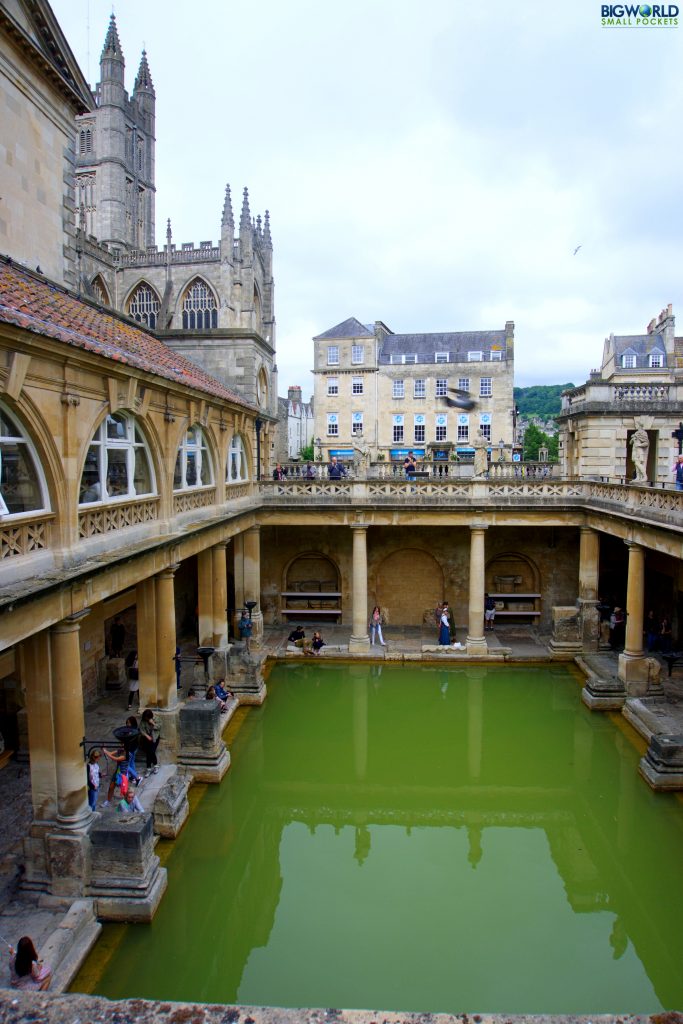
(294, 393)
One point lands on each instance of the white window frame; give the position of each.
(463, 432)
(333, 424)
(486, 430)
(496, 354)
(486, 387)
(237, 468)
(656, 360)
(357, 386)
(356, 423)
(419, 429)
(398, 389)
(628, 361)
(332, 386)
(117, 433)
(333, 355)
(441, 387)
(357, 354)
(12, 441)
(397, 429)
(475, 357)
(193, 449)
(420, 387)
(441, 357)
(441, 432)
(463, 383)
(411, 358)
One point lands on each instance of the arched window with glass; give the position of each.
(200, 310)
(118, 464)
(144, 305)
(22, 482)
(237, 470)
(193, 462)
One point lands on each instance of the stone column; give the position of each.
(359, 641)
(589, 565)
(166, 637)
(36, 673)
(252, 578)
(220, 596)
(238, 569)
(476, 641)
(146, 613)
(69, 723)
(205, 598)
(633, 665)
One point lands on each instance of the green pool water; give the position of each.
(416, 838)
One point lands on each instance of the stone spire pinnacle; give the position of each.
(227, 219)
(143, 80)
(267, 240)
(169, 233)
(112, 45)
(245, 216)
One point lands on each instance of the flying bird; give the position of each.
(462, 400)
(576, 250)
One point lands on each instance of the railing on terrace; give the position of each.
(155, 258)
(25, 536)
(624, 394)
(463, 469)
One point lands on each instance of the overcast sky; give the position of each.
(431, 164)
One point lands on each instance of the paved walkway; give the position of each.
(22, 913)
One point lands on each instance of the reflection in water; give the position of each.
(411, 783)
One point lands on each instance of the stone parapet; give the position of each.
(202, 752)
(127, 883)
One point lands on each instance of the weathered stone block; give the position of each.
(662, 766)
(566, 637)
(68, 856)
(127, 882)
(115, 678)
(171, 807)
(201, 749)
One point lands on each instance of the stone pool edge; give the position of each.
(32, 1007)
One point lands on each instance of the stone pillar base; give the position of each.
(564, 650)
(127, 883)
(219, 664)
(601, 692)
(245, 677)
(167, 723)
(476, 646)
(662, 766)
(637, 672)
(57, 861)
(171, 807)
(359, 644)
(202, 751)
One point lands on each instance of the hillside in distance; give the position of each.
(541, 400)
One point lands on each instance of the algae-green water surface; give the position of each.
(419, 838)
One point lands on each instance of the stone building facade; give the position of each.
(213, 303)
(392, 390)
(294, 425)
(638, 386)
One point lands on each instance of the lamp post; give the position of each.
(258, 423)
(319, 444)
(501, 452)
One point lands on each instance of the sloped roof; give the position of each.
(639, 343)
(350, 328)
(40, 307)
(424, 346)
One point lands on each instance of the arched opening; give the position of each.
(237, 469)
(514, 582)
(22, 482)
(193, 467)
(200, 309)
(99, 291)
(118, 464)
(311, 589)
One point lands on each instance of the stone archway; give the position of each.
(408, 583)
(304, 578)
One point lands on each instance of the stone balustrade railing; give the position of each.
(435, 469)
(603, 394)
(25, 536)
(155, 258)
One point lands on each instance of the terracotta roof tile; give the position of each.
(31, 302)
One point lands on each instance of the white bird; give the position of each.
(576, 250)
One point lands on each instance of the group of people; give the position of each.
(312, 646)
(658, 633)
(133, 737)
(217, 692)
(280, 472)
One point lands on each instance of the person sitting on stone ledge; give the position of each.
(26, 970)
(212, 695)
(222, 693)
(130, 804)
(317, 643)
(298, 638)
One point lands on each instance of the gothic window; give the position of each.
(200, 312)
(143, 305)
(141, 155)
(99, 290)
(141, 217)
(237, 461)
(86, 203)
(257, 308)
(118, 463)
(193, 462)
(262, 387)
(22, 484)
(485, 387)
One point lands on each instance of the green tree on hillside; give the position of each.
(542, 400)
(535, 438)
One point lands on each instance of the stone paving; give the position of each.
(25, 913)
